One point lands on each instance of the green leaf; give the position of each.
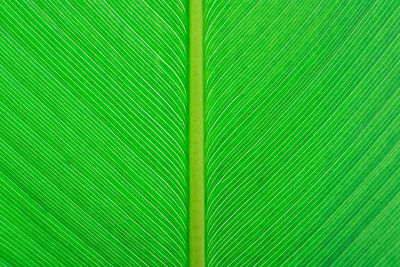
(302, 132)
(93, 133)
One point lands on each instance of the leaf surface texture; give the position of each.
(302, 132)
(93, 139)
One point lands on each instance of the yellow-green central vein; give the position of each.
(196, 133)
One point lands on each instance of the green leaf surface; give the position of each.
(302, 132)
(93, 133)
